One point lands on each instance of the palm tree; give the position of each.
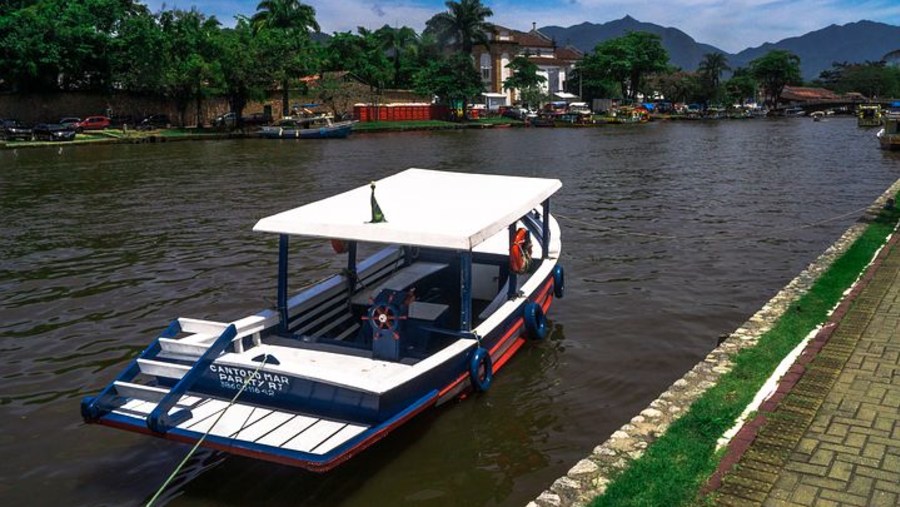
(463, 25)
(296, 20)
(396, 41)
(291, 15)
(712, 66)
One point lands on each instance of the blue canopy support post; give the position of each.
(282, 283)
(545, 237)
(465, 283)
(352, 275)
(513, 283)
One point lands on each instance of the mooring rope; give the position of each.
(203, 437)
(653, 235)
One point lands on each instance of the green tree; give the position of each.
(676, 85)
(774, 71)
(712, 66)
(137, 53)
(362, 55)
(590, 83)
(741, 86)
(626, 60)
(397, 44)
(191, 58)
(294, 20)
(710, 69)
(462, 26)
(57, 44)
(526, 79)
(872, 79)
(246, 66)
(452, 79)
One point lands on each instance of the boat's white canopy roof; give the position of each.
(422, 207)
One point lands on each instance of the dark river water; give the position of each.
(673, 234)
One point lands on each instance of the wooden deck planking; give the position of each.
(319, 432)
(344, 434)
(263, 426)
(249, 423)
(287, 431)
(207, 409)
(136, 406)
(229, 423)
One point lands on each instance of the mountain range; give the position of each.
(818, 50)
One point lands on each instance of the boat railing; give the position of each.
(204, 342)
(160, 420)
(93, 408)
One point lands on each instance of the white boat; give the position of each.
(464, 276)
(889, 135)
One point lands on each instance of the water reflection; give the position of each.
(673, 234)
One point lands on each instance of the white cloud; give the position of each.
(728, 25)
(346, 15)
(731, 25)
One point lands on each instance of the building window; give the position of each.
(485, 67)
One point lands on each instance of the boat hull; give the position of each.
(331, 132)
(444, 383)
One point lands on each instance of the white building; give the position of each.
(554, 63)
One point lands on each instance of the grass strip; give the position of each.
(402, 125)
(391, 126)
(674, 467)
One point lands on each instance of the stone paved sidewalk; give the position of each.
(831, 433)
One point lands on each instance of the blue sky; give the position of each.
(728, 25)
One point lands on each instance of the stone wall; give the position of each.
(50, 107)
(590, 477)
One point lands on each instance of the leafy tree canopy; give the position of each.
(872, 79)
(774, 71)
(450, 79)
(625, 60)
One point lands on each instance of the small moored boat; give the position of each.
(889, 135)
(466, 270)
(320, 126)
(868, 115)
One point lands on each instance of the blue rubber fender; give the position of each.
(559, 281)
(535, 321)
(481, 369)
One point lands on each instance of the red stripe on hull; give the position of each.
(509, 349)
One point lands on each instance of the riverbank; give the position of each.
(117, 136)
(685, 422)
(829, 431)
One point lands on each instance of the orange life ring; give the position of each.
(520, 252)
(339, 246)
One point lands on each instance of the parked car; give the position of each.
(14, 129)
(154, 121)
(92, 123)
(519, 113)
(69, 122)
(53, 132)
(225, 120)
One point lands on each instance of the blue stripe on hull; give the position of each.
(395, 408)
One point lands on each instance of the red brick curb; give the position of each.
(747, 434)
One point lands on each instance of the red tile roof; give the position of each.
(799, 93)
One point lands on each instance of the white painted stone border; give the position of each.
(589, 477)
